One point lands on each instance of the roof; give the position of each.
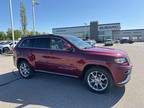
(36, 36)
(45, 35)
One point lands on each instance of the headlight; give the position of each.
(120, 60)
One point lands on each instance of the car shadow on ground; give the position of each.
(56, 92)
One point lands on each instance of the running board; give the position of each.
(55, 73)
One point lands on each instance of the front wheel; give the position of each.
(98, 80)
(25, 69)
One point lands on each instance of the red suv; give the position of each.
(100, 68)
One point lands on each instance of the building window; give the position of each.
(101, 32)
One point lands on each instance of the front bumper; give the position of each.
(121, 74)
(126, 80)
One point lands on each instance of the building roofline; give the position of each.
(83, 26)
(131, 29)
(109, 23)
(70, 27)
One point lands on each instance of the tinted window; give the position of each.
(42, 43)
(57, 44)
(25, 43)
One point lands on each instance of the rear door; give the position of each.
(40, 51)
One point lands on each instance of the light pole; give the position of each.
(34, 2)
(11, 18)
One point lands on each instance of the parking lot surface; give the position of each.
(52, 91)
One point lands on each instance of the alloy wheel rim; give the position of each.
(24, 70)
(97, 81)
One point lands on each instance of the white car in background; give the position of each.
(6, 47)
(108, 42)
(91, 42)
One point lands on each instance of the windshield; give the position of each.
(78, 42)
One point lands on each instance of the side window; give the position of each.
(42, 43)
(57, 44)
(25, 43)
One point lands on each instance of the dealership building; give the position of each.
(101, 32)
(134, 34)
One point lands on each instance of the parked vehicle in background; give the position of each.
(6, 47)
(122, 41)
(108, 42)
(92, 42)
(116, 41)
(2, 42)
(100, 68)
(15, 43)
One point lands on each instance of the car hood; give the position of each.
(4, 45)
(106, 51)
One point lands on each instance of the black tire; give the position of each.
(6, 50)
(28, 72)
(95, 84)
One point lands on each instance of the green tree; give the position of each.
(2, 36)
(17, 34)
(23, 18)
(37, 33)
(9, 34)
(31, 33)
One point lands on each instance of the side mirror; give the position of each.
(69, 48)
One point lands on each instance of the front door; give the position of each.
(61, 60)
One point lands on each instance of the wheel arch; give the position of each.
(20, 60)
(96, 66)
(3, 49)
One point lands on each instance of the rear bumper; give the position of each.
(110, 44)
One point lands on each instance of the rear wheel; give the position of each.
(25, 69)
(98, 80)
(6, 50)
